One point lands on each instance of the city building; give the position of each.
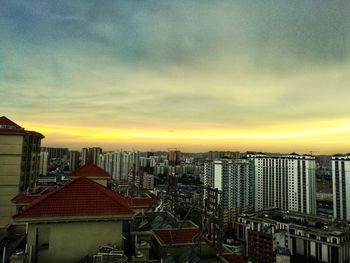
(217, 155)
(174, 157)
(120, 164)
(341, 187)
(74, 160)
(19, 165)
(235, 179)
(71, 222)
(275, 235)
(56, 153)
(144, 180)
(285, 181)
(148, 181)
(44, 161)
(90, 155)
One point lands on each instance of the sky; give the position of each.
(196, 75)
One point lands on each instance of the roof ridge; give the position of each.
(106, 191)
(82, 169)
(6, 121)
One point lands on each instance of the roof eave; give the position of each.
(63, 219)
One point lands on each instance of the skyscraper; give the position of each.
(19, 164)
(56, 153)
(235, 178)
(341, 187)
(174, 157)
(120, 164)
(285, 181)
(74, 160)
(90, 155)
(44, 160)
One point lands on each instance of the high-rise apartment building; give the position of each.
(148, 181)
(341, 187)
(120, 164)
(285, 181)
(235, 178)
(174, 157)
(56, 153)
(19, 164)
(74, 160)
(44, 161)
(144, 181)
(90, 155)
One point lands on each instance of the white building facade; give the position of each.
(44, 161)
(285, 181)
(235, 178)
(120, 164)
(341, 187)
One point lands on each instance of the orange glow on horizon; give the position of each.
(310, 135)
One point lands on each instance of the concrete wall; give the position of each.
(101, 181)
(10, 171)
(69, 242)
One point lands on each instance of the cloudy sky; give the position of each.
(197, 75)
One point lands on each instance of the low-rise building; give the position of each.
(72, 221)
(272, 233)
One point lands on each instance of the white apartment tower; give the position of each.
(44, 160)
(341, 187)
(235, 178)
(285, 181)
(74, 160)
(90, 155)
(120, 164)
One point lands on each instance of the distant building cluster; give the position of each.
(121, 164)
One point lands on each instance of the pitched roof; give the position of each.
(231, 258)
(80, 197)
(89, 170)
(8, 124)
(11, 128)
(177, 236)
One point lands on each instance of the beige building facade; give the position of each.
(19, 165)
(62, 241)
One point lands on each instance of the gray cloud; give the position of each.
(235, 64)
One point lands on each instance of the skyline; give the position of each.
(266, 76)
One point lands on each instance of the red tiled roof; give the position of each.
(89, 170)
(23, 198)
(4, 121)
(37, 134)
(231, 258)
(9, 127)
(177, 236)
(80, 197)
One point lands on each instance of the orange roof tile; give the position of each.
(80, 197)
(177, 236)
(89, 170)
